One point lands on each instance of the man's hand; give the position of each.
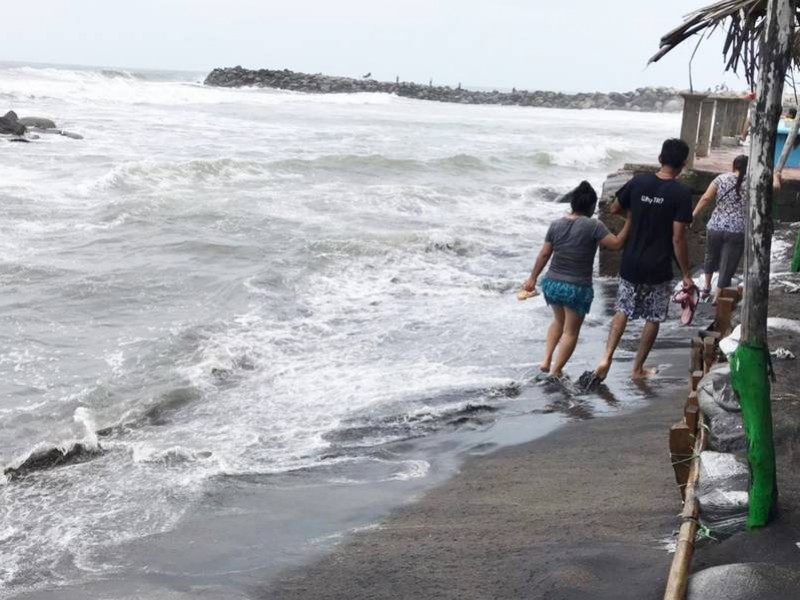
(687, 281)
(529, 285)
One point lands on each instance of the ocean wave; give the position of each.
(172, 456)
(225, 170)
(119, 74)
(157, 176)
(588, 156)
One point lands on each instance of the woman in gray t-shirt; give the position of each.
(572, 243)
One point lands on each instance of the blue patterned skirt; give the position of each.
(570, 295)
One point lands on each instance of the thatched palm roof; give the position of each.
(744, 20)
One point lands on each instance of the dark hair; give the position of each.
(740, 164)
(674, 153)
(792, 113)
(583, 199)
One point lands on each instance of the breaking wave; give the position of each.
(227, 170)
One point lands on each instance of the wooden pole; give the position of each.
(704, 130)
(775, 54)
(720, 120)
(749, 365)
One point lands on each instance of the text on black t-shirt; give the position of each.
(654, 205)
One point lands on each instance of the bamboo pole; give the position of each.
(750, 362)
(678, 579)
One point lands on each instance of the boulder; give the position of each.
(39, 122)
(10, 125)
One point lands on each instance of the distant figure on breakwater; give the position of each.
(659, 209)
(572, 243)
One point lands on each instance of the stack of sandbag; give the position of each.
(720, 405)
(745, 581)
(722, 492)
(722, 488)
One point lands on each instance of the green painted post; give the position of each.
(796, 258)
(749, 374)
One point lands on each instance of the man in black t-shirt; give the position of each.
(660, 209)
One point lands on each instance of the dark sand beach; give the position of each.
(582, 513)
(585, 512)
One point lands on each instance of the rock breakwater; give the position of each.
(648, 99)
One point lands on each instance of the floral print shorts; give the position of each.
(644, 300)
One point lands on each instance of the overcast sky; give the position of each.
(567, 45)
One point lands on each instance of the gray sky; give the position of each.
(567, 45)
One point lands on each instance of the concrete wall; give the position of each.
(787, 210)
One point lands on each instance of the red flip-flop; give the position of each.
(688, 298)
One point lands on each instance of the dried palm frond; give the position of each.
(745, 24)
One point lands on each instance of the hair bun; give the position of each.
(585, 187)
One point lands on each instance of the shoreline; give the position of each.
(586, 512)
(276, 527)
(541, 519)
(647, 99)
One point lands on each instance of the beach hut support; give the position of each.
(690, 123)
(720, 121)
(706, 124)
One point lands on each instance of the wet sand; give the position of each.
(585, 512)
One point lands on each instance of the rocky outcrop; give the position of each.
(38, 122)
(10, 125)
(643, 99)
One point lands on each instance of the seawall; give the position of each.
(648, 99)
(786, 208)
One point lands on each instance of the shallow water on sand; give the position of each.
(222, 294)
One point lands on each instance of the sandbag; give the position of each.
(722, 492)
(720, 405)
(748, 581)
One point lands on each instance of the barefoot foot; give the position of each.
(602, 369)
(644, 373)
